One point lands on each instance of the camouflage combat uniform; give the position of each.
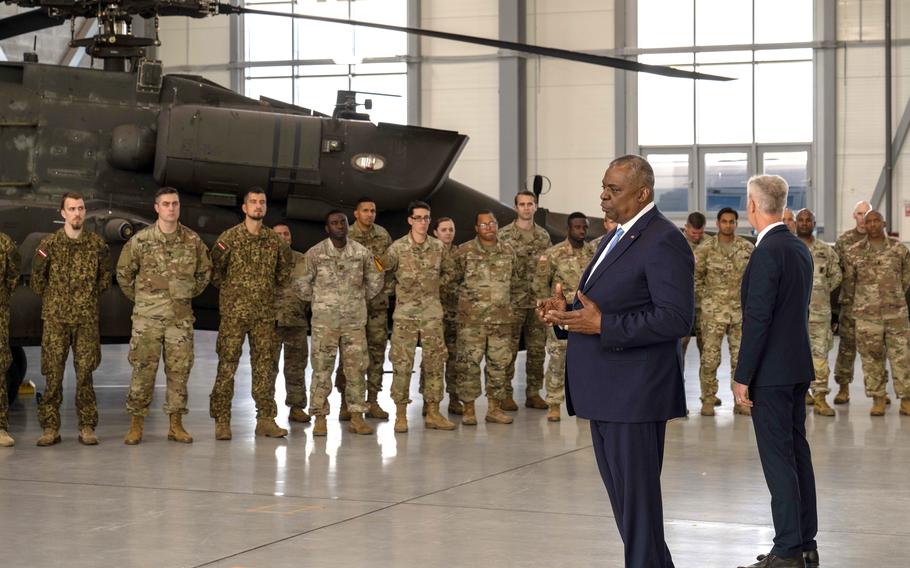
(9, 269)
(162, 273)
(827, 277)
(248, 269)
(696, 326)
(490, 279)
(448, 295)
(719, 272)
(292, 335)
(528, 247)
(846, 326)
(69, 275)
(562, 264)
(876, 281)
(338, 283)
(419, 272)
(377, 241)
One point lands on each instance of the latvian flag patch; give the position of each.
(220, 245)
(42, 253)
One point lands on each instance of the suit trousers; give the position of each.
(779, 419)
(630, 458)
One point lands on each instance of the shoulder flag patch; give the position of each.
(378, 263)
(42, 253)
(220, 245)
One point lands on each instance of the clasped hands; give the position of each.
(553, 311)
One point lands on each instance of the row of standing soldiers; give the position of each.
(872, 273)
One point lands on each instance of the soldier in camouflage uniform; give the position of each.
(376, 239)
(70, 270)
(293, 327)
(846, 326)
(529, 241)
(876, 280)
(561, 264)
(9, 269)
(249, 264)
(490, 279)
(719, 267)
(827, 277)
(161, 269)
(420, 268)
(341, 276)
(694, 231)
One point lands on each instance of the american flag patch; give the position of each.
(220, 245)
(42, 253)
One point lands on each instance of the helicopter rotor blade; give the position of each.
(26, 22)
(557, 53)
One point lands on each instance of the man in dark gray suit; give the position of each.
(774, 371)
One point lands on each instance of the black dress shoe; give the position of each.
(772, 561)
(810, 556)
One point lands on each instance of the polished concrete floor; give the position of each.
(521, 495)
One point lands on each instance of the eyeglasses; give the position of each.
(421, 218)
(489, 225)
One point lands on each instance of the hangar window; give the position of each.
(306, 62)
(706, 138)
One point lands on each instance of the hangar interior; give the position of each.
(809, 102)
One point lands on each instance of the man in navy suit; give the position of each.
(624, 369)
(774, 371)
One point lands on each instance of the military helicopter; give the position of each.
(116, 135)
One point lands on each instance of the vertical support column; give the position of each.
(415, 85)
(824, 163)
(625, 87)
(238, 54)
(889, 160)
(512, 103)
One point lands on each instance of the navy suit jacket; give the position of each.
(776, 289)
(633, 371)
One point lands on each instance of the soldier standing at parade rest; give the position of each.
(341, 276)
(694, 231)
(561, 265)
(826, 278)
(719, 267)
(161, 269)
(249, 263)
(9, 270)
(846, 326)
(290, 314)
(491, 279)
(70, 271)
(876, 280)
(420, 268)
(529, 241)
(366, 232)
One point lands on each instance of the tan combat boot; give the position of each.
(716, 401)
(878, 406)
(343, 413)
(435, 420)
(742, 410)
(176, 433)
(298, 414)
(821, 406)
(50, 437)
(455, 405)
(905, 406)
(810, 400)
(554, 414)
(401, 417)
(269, 428)
(843, 395)
(707, 407)
(534, 400)
(376, 411)
(320, 428)
(468, 418)
(358, 425)
(87, 436)
(495, 413)
(6, 441)
(223, 429)
(508, 404)
(134, 436)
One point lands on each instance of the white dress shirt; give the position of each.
(626, 227)
(765, 231)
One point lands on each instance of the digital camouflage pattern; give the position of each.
(562, 264)
(477, 341)
(161, 273)
(419, 271)
(338, 283)
(528, 246)
(719, 272)
(875, 283)
(846, 326)
(376, 240)
(290, 311)
(696, 325)
(70, 275)
(449, 297)
(229, 346)
(9, 269)
(826, 278)
(291, 316)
